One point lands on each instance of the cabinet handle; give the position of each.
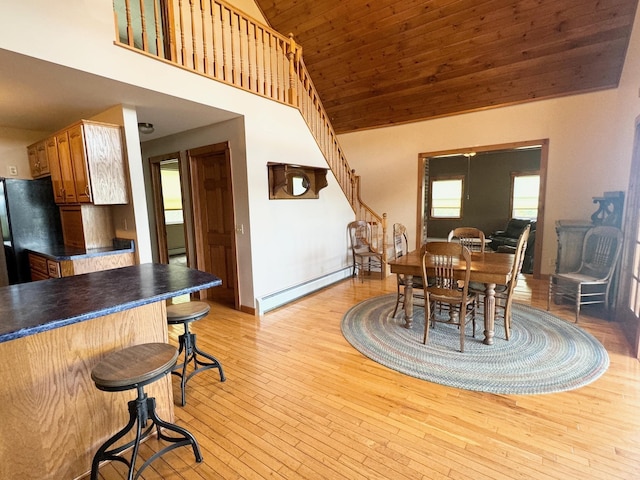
(86, 191)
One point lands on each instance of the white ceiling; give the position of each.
(41, 96)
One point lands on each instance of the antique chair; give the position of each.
(400, 249)
(471, 237)
(441, 261)
(591, 283)
(365, 257)
(504, 293)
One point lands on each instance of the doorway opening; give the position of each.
(168, 195)
(492, 183)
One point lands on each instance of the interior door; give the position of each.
(628, 302)
(214, 220)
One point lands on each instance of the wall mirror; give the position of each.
(288, 181)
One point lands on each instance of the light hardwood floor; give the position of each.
(300, 403)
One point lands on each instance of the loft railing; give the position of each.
(214, 39)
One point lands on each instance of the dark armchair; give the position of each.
(506, 240)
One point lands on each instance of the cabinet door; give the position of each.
(66, 168)
(43, 161)
(105, 161)
(79, 162)
(32, 151)
(54, 167)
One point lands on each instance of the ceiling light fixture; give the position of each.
(145, 128)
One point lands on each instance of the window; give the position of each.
(446, 197)
(525, 190)
(171, 192)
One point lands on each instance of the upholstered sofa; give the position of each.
(507, 239)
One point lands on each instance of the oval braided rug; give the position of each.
(544, 354)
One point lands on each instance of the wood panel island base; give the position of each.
(52, 334)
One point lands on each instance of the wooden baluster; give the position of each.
(243, 51)
(205, 42)
(143, 21)
(215, 45)
(252, 56)
(235, 71)
(158, 30)
(194, 53)
(130, 39)
(225, 43)
(183, 48)
(292, 95)
(259, 36)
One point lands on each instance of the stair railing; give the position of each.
(212, 38)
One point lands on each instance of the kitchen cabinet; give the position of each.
(90, 165)
(38, 160)
(51, 145)
(44, 266)
(87, 226)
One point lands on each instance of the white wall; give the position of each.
(13, 152)
(590, 142)
(288, 243)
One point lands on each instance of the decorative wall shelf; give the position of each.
(609, 209)
(288, 181)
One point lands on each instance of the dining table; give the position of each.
(489, 268)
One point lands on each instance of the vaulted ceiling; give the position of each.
(382, 62)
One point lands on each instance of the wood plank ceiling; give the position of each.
(382, 62)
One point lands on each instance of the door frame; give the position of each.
(544, 156)
(629, 268)
(196, 210)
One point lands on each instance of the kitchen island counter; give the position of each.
(52, 334)
(29, 308)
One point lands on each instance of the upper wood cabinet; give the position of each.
(38, 160)
(87, 164)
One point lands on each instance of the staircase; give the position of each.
(214, 39)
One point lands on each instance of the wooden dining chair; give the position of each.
(365, 257)
(443, 263)
(591, 283)
(504, 293)
(400, 249)
(471, 237)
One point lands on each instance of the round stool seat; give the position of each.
(186, 312)
(134, 366)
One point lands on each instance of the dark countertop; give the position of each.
(31, 308)
(64, 252)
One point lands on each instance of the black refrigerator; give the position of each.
(29, 219)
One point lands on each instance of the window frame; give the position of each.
(434, 179)
(524, 173)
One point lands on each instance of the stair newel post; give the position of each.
(354, 189)
(293, 55)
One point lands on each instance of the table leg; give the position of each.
(408, 300)
(489, 312)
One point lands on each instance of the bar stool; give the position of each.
(186, 313)
(135, 367)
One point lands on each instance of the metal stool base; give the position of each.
(193, 354)
(141, 410)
